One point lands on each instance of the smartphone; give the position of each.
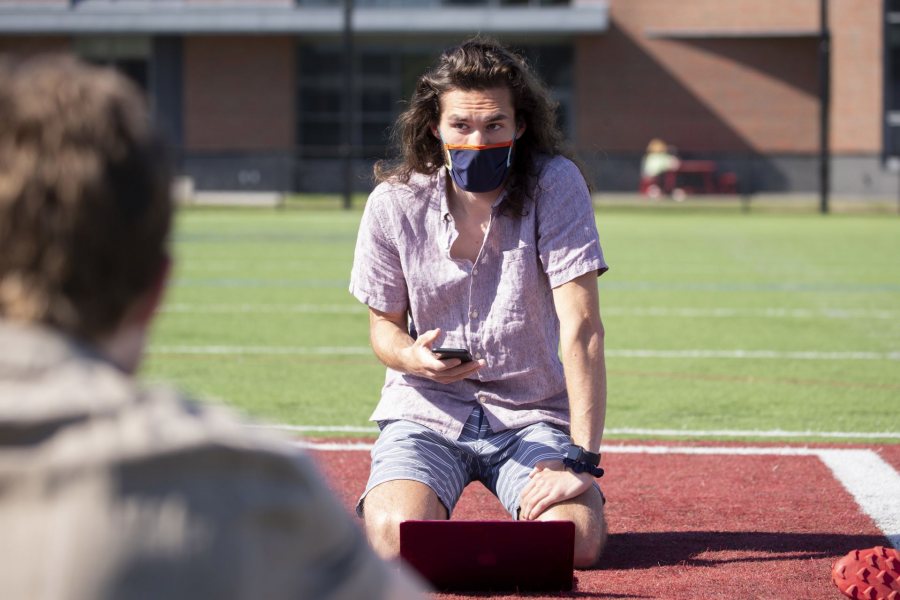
(460, 353)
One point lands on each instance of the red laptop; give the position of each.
(491, 555)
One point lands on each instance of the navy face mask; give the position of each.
(479, 168)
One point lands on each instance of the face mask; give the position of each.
(479, 168)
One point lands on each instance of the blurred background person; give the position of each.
(110, 490)
(657, 162)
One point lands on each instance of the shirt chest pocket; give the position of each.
(518, 276)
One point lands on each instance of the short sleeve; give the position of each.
(568, 242)
(377, 278)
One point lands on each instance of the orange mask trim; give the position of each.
(483, 147)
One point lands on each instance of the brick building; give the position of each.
(251, 92)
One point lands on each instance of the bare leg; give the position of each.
(392, 502)
(586, 511)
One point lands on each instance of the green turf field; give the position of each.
(715, 320)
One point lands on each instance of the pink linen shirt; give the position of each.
(500, 307)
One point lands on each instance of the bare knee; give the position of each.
(590, 542)
(586, 512)
(389, 504)
(382, 530)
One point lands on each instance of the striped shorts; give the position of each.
(501, 461)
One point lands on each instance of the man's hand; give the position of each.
(421, 361)
(550, 484)
(397, 350)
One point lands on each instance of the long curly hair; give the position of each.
(478, 63)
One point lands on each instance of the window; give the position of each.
(384, 79)
(130, 55)
(320, 99)
(892, 81)
(431, 3)
(555, 64)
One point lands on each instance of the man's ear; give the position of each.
(125, 345)
(520, 129)
(152, 299)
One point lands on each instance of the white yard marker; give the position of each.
(767, 313)
(745, 433)
(321, 428)
(650, 433)
(649, 311)
(614, 353)
(755, 354)
(873, 483)
(263, 350)
(350, 309)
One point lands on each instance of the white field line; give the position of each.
(694, 433)
(755, 354)
(665, 312)
(873, 483)
(335, 446)
(779, 433)
(263, 350)
(320, 428)
(614, 353)
(350, 309)
(771, 313)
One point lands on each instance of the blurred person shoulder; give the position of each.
(126, 491)
(56, 384)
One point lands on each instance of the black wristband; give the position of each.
(580, 460)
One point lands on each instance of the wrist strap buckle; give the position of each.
(579, 460)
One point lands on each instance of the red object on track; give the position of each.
(872, 574)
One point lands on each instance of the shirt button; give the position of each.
(474, 270)
(474, 314)
(478, 355)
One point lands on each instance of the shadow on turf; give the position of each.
(654, 549)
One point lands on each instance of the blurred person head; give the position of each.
(85, 205)
(477, 64)
(657, 146)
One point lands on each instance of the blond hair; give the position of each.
(656, 146)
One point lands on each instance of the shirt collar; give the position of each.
(442, 194)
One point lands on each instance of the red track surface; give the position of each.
(692, 527)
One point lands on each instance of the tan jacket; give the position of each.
(110, 491)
